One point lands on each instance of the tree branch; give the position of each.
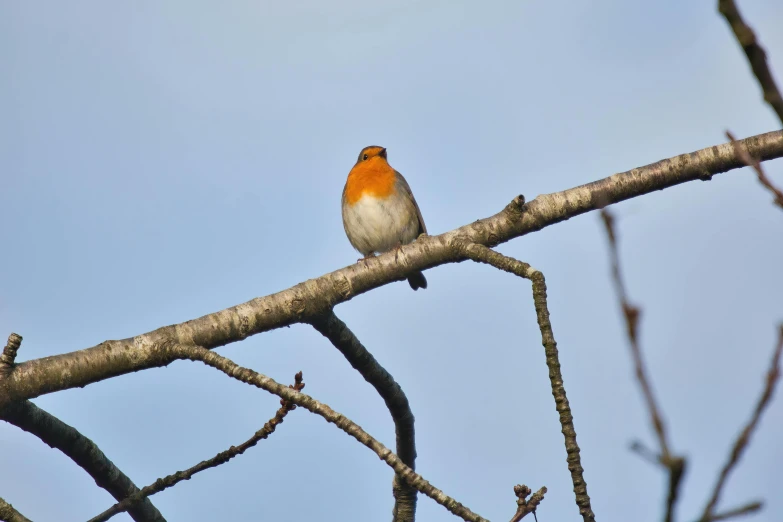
(9, 514)
(526, 506)
(338, 333)
(773, 375)
(248, 376)
(221, 458)
(675, 465)
(317, 296)
(9, 352)
(777, 194)
(482, 254)
(755, 53)
(747, 509)
(84, 452)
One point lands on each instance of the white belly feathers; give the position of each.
(379, 225)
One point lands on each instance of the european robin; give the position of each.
(379, 211)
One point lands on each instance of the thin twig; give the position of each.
(755, 53)
(83, 451)
(338, 333)
(9, 514)
(747, 509)
(674, 464)
(646, 453)
(221, 458)
(750, 161)
(773, 375)
(631, 314)
(482, 254)
(248, 376)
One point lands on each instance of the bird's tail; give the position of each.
(417, 281)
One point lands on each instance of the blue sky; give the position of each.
(164, 160)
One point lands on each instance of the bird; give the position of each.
(380, 213)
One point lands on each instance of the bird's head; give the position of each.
(372, 154)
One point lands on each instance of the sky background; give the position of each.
(161, 160)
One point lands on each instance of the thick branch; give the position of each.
(248, 376)
(482, 254)
(331, 327)
(221, 458)
(317, 296)
(9, 514)
(755, 53)
(82, 451)
(773, 375)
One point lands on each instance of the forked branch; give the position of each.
(338, 333)
(82, 451)
(248, 376)
(741, 444)
(221, 458)
(482, 254)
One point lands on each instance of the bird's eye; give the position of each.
(364, 157)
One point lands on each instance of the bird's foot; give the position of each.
(365, 258)
(397, 252)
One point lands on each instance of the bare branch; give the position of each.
(316, 296)
(248, 376)
(482, 254)
(83, 451)
(747, 509)
(631, 314)
(773, 375)
(9, 352)
(756, 166)
(646, 453)
(9, 514)
(755, 53)
(525, 507)
(674, 464)
(221, 458)
(331, 327)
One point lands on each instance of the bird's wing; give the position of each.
(402, 184)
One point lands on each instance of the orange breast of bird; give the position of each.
(370, 178)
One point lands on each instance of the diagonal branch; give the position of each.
(221, 458)
(316, 296)
(674, 464)
(9, 514)
(740, 511)
(755, 53)
(631, 314)
(773, 376)
(482, 254)
(84, 452)
(248, 376)
(338, 333)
